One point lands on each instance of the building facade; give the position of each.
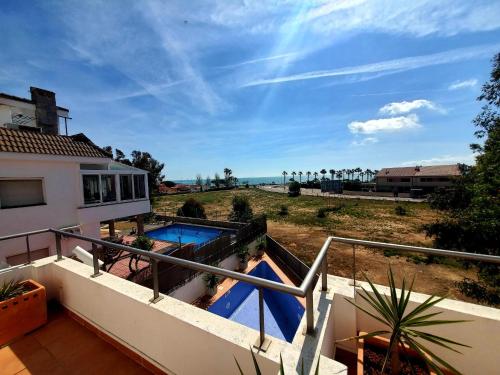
(419, 179)
(49, 180)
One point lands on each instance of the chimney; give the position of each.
(45, 110)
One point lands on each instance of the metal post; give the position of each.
(354, 265)
(28, 249)
(309, 312)
(95, 260)
(324, 274)
(156, 285)
(58, 247)
(262, 342)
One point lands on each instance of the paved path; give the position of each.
(318, 193)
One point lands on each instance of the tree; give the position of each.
(293, 175)
(332, 173)
(144, 160)
(308, 173)
(208, 182)
(300, 177)
(340, 174)
(228, 178)
(217, 180)
(294, 189)
(199, 181)
(284, 173)
(242, 212)
(323, 172)
(361, 174)
(192, 208)
(358, 171)
(472, 220)
(315, 176)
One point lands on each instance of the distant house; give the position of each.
(417, 179)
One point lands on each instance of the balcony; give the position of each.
(176, 337)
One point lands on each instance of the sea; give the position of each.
(245, 180)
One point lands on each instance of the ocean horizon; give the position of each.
(244, 180)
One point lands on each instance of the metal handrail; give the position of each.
(304, 290)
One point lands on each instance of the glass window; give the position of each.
(126, 187)
(21, 193)
(139, 186)
(91, 189)
(108, 188)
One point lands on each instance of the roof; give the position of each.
(29, 142)
(421, 171)
(25, 100)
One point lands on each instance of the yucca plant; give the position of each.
(11, 289)
(282, 368)
(404, 326)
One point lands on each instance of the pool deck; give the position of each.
(206, 301)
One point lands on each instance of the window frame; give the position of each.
(44, 195)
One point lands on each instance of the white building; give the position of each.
(49, 180)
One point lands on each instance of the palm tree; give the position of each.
(332, 173)
(308, 175)
(340, 174)
(284, 177)
(323, 172)
(293, 175)
(316, 175)
(300, 177)
(361, 174)
(358, 171)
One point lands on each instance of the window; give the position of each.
(91, 189)
(405, 179)
(139, 186)
(389, 180)
(126, 187)
(21, 193)
(108, 188)
(426, 179)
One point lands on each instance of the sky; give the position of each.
(260, 86)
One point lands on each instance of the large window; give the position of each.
(108, 188)
(126, 187)
(21, 193)
(91, 189)
(139, 186)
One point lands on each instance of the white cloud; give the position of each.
(397, 108)
(364, 141)
(384, 124)
(463, 84)
(397, 65)
(444, 159)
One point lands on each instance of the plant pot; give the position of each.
(24, 313)
(260, 252)
(243, 265)
(383, 343)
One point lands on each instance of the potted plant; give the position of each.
(404, 350)
(23, 308)
(261, 246)
(211, 281)
(242, 254)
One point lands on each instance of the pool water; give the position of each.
(188, 233)
(282, 312)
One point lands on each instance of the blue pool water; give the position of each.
(188, 233)
(282, 312)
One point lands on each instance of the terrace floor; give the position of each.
(64, 346)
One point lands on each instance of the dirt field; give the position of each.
(303, 233)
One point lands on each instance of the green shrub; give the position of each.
(400, 210)
(283, 210)
(242, 253)
(192, 208)
(322, 211)
(242, 212)
(479, 291)
(293, 189)
(211, 280)
(143, 243)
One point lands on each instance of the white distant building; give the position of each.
(48, 180)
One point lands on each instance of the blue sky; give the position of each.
(260, 86)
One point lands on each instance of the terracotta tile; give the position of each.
(9, 362)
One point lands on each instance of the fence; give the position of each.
(196, 221)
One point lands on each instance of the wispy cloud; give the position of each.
(396, 65)
(397, 108)
(384, 124)
(444, 159)
(364, 141)
(286, 57)
(463, 84)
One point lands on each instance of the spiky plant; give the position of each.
(11, 289)
(282, 367)
(404, 327)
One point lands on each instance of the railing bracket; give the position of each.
(157, 299)
(265, 345)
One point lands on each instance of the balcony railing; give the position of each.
(305, 289)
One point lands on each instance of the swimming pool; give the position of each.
(187, 233)
(282, 312)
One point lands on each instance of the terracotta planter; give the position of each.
(24, 313)
(380, 342)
